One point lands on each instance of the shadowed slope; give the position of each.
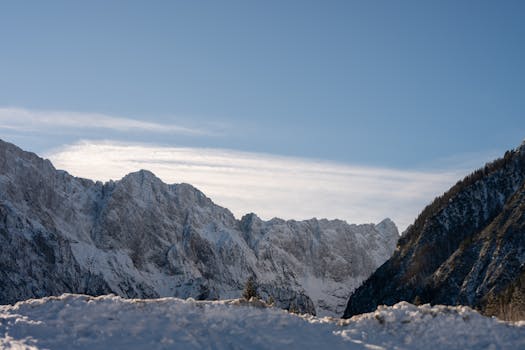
(467, 247)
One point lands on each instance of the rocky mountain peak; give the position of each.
(387, 227)
(142, 175)
(250, 221)
(139, 237)
(14, 160)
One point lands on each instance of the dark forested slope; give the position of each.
(467, 247)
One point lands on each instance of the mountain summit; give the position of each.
(466, 248)
(141, 238)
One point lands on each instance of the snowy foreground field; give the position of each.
(109, 322)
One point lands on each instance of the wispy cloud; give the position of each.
(265, 184)
(26, 120)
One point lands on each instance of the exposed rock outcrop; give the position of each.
(139, 237)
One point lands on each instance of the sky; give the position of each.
(296, 109)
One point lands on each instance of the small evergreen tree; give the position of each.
(250, 289)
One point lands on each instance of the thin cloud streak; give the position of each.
(271, 186)
(26, 120)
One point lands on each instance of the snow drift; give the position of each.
(110, 322)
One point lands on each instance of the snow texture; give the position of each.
(110, 322)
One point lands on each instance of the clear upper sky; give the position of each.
(381, 82)
(397, 84)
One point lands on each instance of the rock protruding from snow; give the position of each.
(139, 237)
(109, 322)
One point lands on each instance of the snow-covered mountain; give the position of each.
(466, 248)
(109, 322)
(141, 238)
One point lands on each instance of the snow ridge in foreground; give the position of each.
(110, 322)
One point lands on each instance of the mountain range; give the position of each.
(141, 238)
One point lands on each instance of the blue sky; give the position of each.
(399, 85)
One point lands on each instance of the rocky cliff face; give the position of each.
(139, 237)
(467, 247)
